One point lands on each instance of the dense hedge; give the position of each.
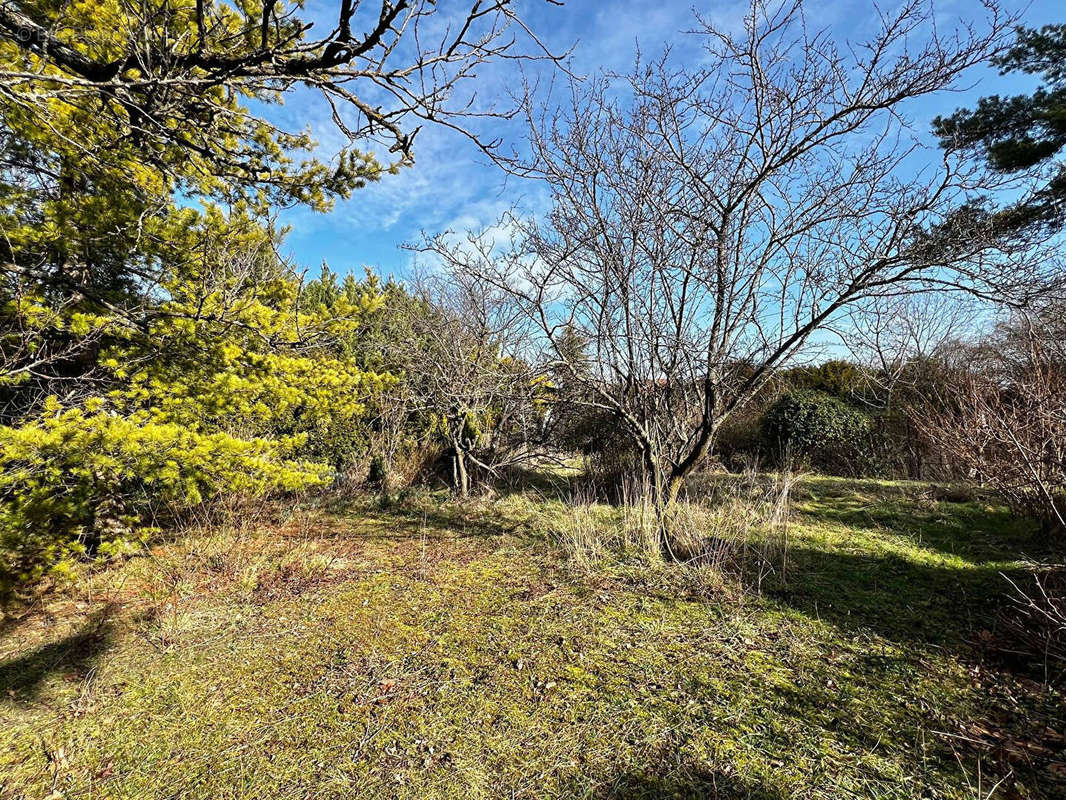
(819, 431)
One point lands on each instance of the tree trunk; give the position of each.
(673, 489)
(460, 475)
(653, 478)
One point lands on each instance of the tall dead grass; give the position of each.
(738, 529)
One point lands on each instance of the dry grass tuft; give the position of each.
(740, 530)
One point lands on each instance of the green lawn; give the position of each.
(439, 650)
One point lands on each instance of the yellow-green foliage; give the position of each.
(29, 326)
(81, 128)
(80, 480)
(248, 363)
(216, 398)
(188, 363)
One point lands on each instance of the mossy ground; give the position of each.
(436, 650)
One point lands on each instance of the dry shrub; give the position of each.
(999, 412)
(609, 469)
(411, 463)
(1034, 622)
(740, 529)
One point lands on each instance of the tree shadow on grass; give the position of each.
(691, 784)
(667, 770)
(401, 523)
(24, 676)
(524, 479)
(903, 600)
(460, 523)
(964, 530)
(438, 523)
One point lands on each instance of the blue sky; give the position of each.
(453, 186)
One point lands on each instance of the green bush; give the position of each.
(837, 378)
(81, 482)
(233, 391)
(819, 431)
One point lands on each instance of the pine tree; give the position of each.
(1022, 135)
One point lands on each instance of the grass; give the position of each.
(435, 650)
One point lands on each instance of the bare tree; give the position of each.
(891, 335)
(706, 222)
(901, 341)
(466, 375)
(1002, 412)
